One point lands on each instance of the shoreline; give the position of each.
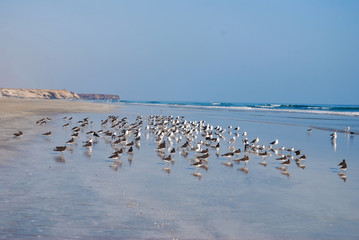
(21, 115)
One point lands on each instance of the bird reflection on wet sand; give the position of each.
(60, 159)
(244, 169)
(342, 176)
(167, 170)
(198, 175)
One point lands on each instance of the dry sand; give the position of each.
(10, 107)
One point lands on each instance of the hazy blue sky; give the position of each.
(231, 51)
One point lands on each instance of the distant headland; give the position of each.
(95, 96)
(52, 94)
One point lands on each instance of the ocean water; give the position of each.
(77, 195)
(330, 109)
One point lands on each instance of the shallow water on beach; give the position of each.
(78, 195)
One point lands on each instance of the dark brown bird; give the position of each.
(229, 154)
(282, 158)
(167, 159)
(88, 143)
(75, 135)
(204, 151)
(60, 148)
(343, 165)
(197, 164)
(243, 159)
(47, 133)
(162, 145)
(298, 152)
(114, 156)
(237, 151)
(206, 155)
(41, 120)
(130, 143)
(130, 150)
(72, 140)
(286, 163)
(18, 134)
(185, 145)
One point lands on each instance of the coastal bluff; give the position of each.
(53, 94)
(37, 93)
(94, 96)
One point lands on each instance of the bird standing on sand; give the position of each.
(60, 149)
(243, 159)
(347, 129)
(343, 165)
(232, 140)
(334, 136)
(18, 134)
(256, 140)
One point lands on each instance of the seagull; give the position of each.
(232, 140)
(47, 134)
(198, 163)
(88, 143)
(114, 156)
(334, 135)
(18, 134)
(237, 151)
(347, 129)
(72, 140)
(167, 159)
(343, 165)
(229, 154)
(60, 149)
(274, 142)
(255, 140)
(286, 163)
(130, 150)
(243, 159)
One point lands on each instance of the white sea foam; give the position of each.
(269, 108)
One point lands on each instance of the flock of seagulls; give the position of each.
(197, 142)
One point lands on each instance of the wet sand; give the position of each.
(82, 194)
(21, 114)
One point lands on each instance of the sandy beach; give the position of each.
(143, 193)
(21, 114)
(13, 107)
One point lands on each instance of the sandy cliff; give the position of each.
(94, 96)
(37, 93)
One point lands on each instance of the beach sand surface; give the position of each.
(82, 194)
(21, 114)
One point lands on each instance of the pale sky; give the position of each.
(229, 51)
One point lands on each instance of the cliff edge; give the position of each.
(93, 96)
(37, 93)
